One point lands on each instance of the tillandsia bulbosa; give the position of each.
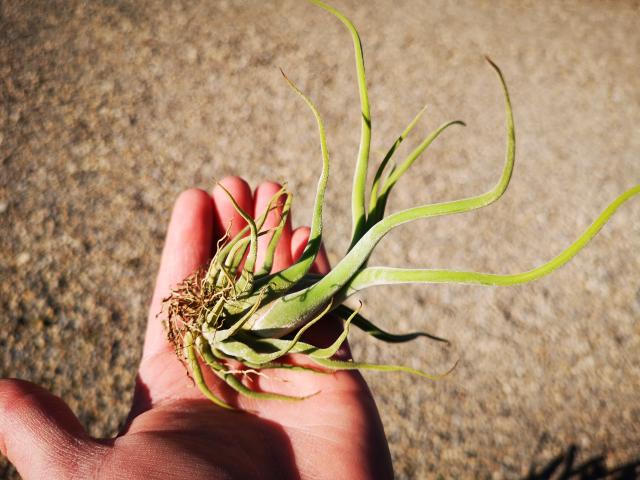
(232, 311)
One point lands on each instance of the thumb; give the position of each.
(41, 436)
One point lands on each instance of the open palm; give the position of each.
(173, 431)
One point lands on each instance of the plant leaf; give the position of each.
(243, 350)
(285, 315)
(280, 282)
(394, 176)
(192, 360)
(367, 326)
(360, 177)
(275, 238)
(231, 380)
(384, 275)
(245, 283)
(349, 365)
(376, 180)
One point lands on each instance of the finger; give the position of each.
(41, 436)
(188, 246)
(282, 258)
(299, 240)
(226, 217)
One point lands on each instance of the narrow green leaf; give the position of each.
(275, 238)
(383, 275)
(370, 328)
(349, 365)
(381, 202)
(225, 244)
(242, 349)
(245, 284)
(360, 176)
(282, 281)
(231, 380)
(190, 354)
(306, 348)
(331, 350)
(215, 335)
(378, 177)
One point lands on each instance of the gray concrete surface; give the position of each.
(109, 109)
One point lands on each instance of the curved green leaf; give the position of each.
(384, 276)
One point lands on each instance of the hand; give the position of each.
(173, 431)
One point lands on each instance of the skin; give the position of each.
(172, 430)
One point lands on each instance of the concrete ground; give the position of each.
(109, 109)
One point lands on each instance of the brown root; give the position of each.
(187, 307)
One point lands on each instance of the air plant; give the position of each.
(232, 312)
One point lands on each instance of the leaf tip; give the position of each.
(493, 65)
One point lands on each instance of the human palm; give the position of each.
(172, 430)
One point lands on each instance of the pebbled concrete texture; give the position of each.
(109, 109)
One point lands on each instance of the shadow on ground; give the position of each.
(566, 467)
